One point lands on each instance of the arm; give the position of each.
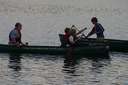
(92, 32)
(18, 38)
(79, 31)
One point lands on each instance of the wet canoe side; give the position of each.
(55, 50)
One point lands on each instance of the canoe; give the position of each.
(56, 50)
(114, 44)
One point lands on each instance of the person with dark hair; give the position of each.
(97, 29)
(15, 35)
(66, 36)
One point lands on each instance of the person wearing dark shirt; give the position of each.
(97, 29)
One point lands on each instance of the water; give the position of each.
(42, 21)
(30, 69)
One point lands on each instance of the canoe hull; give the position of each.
(114, 45)
(56, 50)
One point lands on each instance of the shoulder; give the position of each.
(13, 31)
(98, 25)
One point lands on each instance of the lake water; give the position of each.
(42, 21)
(31, 69)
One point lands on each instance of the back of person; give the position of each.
(13, 36)
(99, 30)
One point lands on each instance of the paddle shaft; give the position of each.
(79, 31)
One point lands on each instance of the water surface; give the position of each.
(31, 69)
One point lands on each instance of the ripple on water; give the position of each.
(31, 69)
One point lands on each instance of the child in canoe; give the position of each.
(71, 36)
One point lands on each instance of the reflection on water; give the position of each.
(15, 62)
(63, 70)
(15, 66)
(76, 69)
(96, 70)
(97, 64)
(70, 63)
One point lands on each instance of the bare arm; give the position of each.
(92, 32)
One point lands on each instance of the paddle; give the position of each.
(79, 31)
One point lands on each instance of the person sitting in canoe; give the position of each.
(71, 36)
(66, 35)
(15, 35)
(97, 29)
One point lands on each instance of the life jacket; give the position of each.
(66, 38)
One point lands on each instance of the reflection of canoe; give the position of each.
(55, 50)
(115, 45)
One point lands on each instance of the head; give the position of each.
(94, 20)
(73, 32)
(18, 26)
(73, 25)
(67, 30)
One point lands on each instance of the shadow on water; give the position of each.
(15, 62)
(15, 67)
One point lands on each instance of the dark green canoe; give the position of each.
(114, 45)
(55, 50)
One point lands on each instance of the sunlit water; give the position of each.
(42, 21)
